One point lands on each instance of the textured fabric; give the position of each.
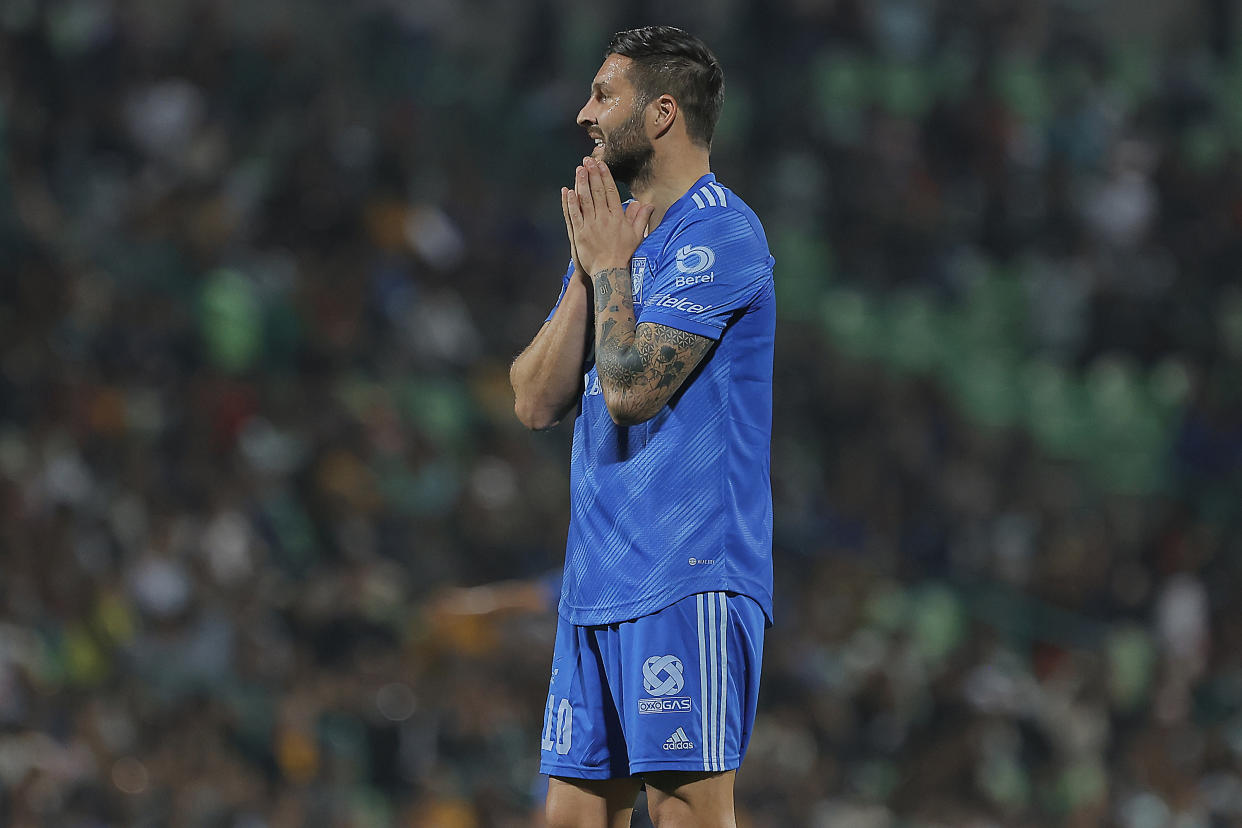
(682, 503)
(676, 690)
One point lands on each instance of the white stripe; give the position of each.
(720, 192)
(724, 677)
(703, 682)
(707, 194)
(698, 201)
(715, 695)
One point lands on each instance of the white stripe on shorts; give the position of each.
(713, 676)
(724, 678)
(703, 681)
(712, 645)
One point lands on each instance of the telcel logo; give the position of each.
(677, 704)
(667, 300)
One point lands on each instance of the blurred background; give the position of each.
(274, 551)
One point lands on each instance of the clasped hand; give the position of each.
(602, 232)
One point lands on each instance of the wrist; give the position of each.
(609, 266)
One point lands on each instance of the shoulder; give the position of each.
(719, 213)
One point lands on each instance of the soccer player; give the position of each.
(668, 309)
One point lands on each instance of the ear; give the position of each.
(662, 113)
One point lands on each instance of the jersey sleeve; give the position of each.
(564, 285)
(712, 268)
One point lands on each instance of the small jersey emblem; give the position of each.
(665, 704)
(638, 270)
(678, 741)
(695, 259)
(663, 675)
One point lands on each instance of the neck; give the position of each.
(670, 179)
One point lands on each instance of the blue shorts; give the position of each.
(675, 690)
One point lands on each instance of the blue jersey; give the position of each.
(682, 503)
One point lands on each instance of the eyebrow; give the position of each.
(599, 86)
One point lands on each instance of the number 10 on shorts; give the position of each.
(558, 725)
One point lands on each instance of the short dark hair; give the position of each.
(667, 59)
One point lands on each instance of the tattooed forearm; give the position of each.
(603, 286)
(640, 366)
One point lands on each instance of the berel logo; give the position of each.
(677, 704)
(686, 281)
(695, 259)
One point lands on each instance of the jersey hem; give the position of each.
(617, 613)
(681, 323)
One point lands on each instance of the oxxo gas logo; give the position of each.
(664, 677)
(695, 258)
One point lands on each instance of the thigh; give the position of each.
(677, 798)
(590, 803)
(582, 735)
(691, 684)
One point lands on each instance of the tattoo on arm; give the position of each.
(640, 366)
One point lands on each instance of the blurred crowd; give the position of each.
(265, 265)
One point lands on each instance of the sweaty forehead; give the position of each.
(612, 73)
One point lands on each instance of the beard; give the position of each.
(629, 153)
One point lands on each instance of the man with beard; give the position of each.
(668, 308)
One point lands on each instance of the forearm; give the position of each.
(621, 361)
(547, 376)
(640, 367)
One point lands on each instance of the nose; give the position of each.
(585, 117)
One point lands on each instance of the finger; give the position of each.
(630, 211)
(611, 196)
(639, 215)
(569, 227)
(644, 217)
(575, 212)
(598, 194)
(582, 187)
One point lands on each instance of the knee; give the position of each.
(677, 813)
(560, 813)
(671, 812)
